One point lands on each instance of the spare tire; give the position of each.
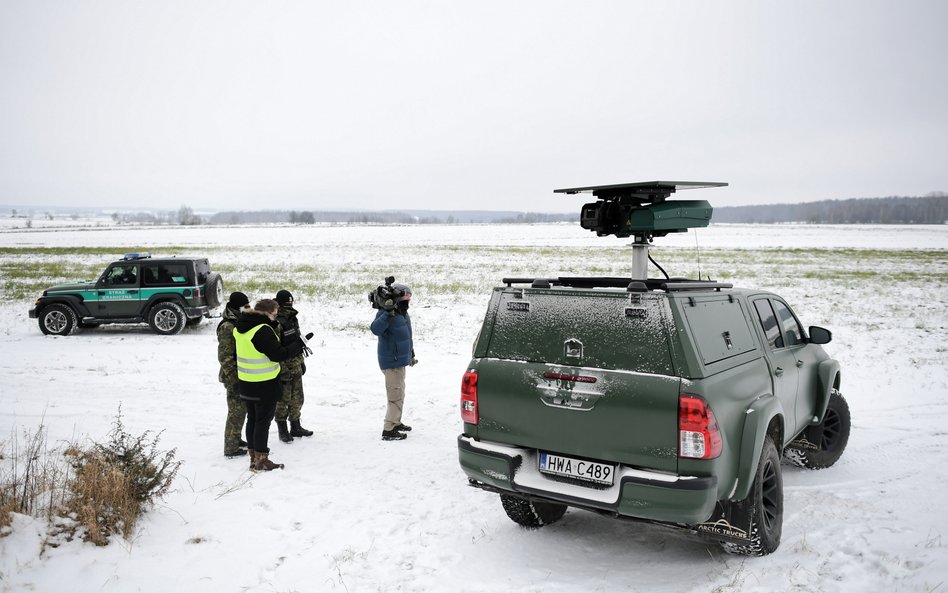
(214, 290)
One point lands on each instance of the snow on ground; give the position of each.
(354, 514)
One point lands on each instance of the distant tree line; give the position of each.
(932, 209)
(386, 217)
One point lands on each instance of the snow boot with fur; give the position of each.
(264, 464)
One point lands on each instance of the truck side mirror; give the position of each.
(819, 335)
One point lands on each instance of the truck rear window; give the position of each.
(583, 329)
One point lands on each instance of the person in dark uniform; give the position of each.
(290, 405)
(234, 446)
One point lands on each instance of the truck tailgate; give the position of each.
(608, 415)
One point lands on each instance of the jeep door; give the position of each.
(117, 293)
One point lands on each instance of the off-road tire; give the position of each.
(833, 437)
(530, 513)
(214, 291)
(765, 506)
(57, 320)
(167, 318)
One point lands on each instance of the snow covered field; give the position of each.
(354, 514)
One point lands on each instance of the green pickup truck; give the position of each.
(664, 400)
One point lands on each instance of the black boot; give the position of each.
(238, 452)
(393, 435)
(284, 433)
(297, 430)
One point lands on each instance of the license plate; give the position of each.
(581, 469)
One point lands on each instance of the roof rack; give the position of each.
(630, 284)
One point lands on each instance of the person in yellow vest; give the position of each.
(259, 354)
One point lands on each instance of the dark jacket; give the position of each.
(289, 333)
(396, 348)
(266, 342)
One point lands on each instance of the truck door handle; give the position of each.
(799, 363)
(778, 371)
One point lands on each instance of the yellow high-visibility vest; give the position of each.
(252, 365)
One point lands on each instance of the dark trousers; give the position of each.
(259, 417)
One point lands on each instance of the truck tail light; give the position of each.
(469, 397)
(698, 434)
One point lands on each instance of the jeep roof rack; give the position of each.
(630, 284)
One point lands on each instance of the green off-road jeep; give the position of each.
(166, 293)
(666, 400)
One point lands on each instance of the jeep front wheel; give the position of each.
(531, 513)
(167, 319)
(57, 320)
(764, 507)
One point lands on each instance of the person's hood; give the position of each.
(248, 321)
(287, 312)
(229, 314)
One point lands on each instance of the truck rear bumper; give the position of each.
(635, 493)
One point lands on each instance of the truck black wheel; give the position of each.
(821, 446)
(214, 291)
(167, 318)
(531, 513)
(765, 506)
(57, 320)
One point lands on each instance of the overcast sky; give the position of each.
(467, 105)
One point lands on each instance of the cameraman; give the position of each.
(396, 351)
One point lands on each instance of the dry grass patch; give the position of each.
(87, 492)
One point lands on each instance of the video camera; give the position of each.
(386, 297)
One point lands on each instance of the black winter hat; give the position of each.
(284, 297)
(237, 300)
